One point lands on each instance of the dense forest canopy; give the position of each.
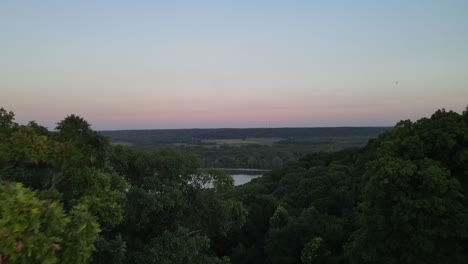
(69, 196)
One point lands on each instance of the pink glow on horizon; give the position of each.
(232, 63)
(213, 116)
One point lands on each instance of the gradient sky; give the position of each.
(184, 64)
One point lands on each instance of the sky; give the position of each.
(207, 64)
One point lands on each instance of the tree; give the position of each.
(75, 132)
(277, 162)
(177, 247)
(412, 212)
(6, 121)
(314, 252)
(69, 166)
(173, 207)
(252, 162)
(38, 231)
(280, 218)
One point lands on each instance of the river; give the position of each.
(240, 179)
(243, 176)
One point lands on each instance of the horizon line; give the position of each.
(214, 128)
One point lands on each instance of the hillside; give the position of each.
(72, 197)
(190, 136)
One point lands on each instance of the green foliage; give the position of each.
(7, 123)
(82, 231)
(28, 146)
(169, 193)
(221, 181)
(408, 189)
(68, 166)
(280, 218)
(255, 148)
(90, 147)
(314, 252)
(400, 199)
(110, 250)
(38, 231)
(409, 210)
(105, 196)
(413, 207)
(255, 156)
(177, 247)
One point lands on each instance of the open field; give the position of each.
(239, 136)
(234, 141)
(228, 141)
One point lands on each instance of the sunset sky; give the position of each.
(186, 64)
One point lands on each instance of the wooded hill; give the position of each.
(190, 136)
(72, 197)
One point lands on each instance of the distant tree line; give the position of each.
(248, 156)
(154, 137)
(257, 156)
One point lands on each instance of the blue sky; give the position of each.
(178, 64)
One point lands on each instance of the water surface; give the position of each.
(240, 179)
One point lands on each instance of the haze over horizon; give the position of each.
(212, 64)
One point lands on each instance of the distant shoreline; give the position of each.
(237, 169)
(240, 128)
